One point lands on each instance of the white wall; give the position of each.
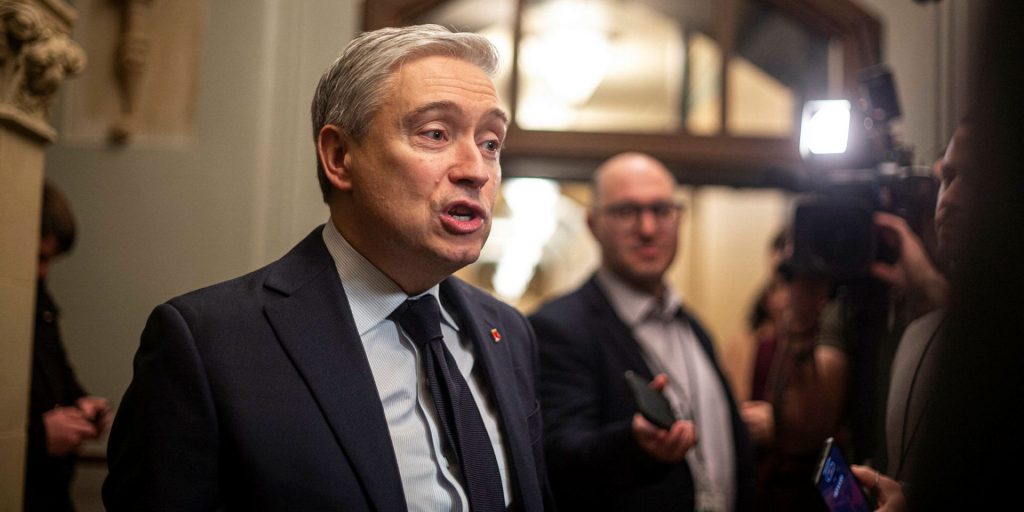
(924, 45)
(155, 222)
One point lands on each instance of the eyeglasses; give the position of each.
(664, 212)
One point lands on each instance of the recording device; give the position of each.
(652, 404)
(836, 482)
(834, 233)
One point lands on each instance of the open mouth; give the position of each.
(462, 213)
(463, 218)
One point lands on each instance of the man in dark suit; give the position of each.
(61, 414)
(603, 454)
(354, 373)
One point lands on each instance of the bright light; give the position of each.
(564, 56)
(825, 128)
(531, 201)
(570, 62)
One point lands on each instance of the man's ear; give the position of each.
(332, 147)
(590, 221)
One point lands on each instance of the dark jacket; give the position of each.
(48, 478)
(594, 461)
(256, 394)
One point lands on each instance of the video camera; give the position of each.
(834, 233)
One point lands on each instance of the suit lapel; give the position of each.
(918, 395)
(621, 336)
(314, 325)
(629, 350)
(477, 321)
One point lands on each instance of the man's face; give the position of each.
(425, 177)
(48, 250)
(950, 207)
(636, 220)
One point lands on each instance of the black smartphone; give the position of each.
(836, 482)
(652, 404)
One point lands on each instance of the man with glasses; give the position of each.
(602, 454)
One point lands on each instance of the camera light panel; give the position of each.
(825, 127)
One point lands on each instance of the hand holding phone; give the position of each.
(650, 403)
(836, 482)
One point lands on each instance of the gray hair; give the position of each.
(354, 87)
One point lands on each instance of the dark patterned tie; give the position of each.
(457, 411)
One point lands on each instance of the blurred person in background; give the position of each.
(603, 454)
(61, 414)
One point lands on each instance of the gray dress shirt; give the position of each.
(670, 346)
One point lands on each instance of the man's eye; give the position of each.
(435, 134)
(492, 145)
(625, 211)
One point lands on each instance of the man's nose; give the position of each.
(647, 223)
(470, 168)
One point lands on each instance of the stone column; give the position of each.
(36, 55)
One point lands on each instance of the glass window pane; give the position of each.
(704, 82)
(777, 64)
(493, 19)
(604, 65)
(649, 66)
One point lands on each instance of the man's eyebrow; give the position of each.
(500, 114)
(422, 110)
(411, 117)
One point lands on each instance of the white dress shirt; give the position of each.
(430, 482)
(670, 346)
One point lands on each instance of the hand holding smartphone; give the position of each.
(836, 482)
(650, 403)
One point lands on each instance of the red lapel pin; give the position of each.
(495, 335)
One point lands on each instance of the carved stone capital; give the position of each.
(36, 54)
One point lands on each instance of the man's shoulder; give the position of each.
(250, 290)
(230, 292)
(924, 326)
(570, 305)
(479, 297)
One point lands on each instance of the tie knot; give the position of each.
(420, 318)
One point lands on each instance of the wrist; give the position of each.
(926, 284)
(936, 292)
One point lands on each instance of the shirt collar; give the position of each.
(371, 294)
(634, 306)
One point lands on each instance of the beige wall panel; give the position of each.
(11, 478)
(168, 87)
(21, 164)
(17, 304)
(726, 256)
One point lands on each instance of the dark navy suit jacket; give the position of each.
(594, 461)
(256, 394)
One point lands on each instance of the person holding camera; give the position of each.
(915, 365)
